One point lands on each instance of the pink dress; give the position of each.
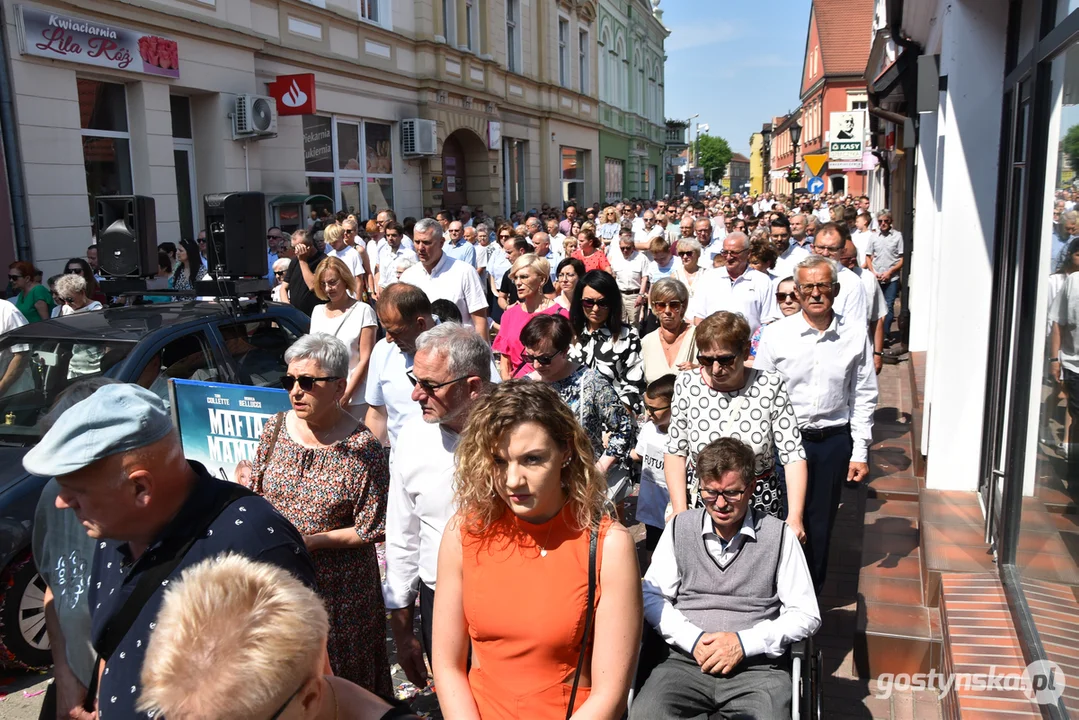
(508, 340)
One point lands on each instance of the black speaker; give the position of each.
(126, 228)
(236, 234)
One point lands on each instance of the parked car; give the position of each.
(146, 344)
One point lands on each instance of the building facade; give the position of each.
(115, 98)
(756, 163)
(632, 133)
(736, 176)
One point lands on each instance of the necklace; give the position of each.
(334, 693)
(543, 547)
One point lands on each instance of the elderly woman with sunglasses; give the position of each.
(690, 271)
(724, 398)
(591, 397)
(672, 346)
(326, 473)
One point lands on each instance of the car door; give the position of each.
(254, 348)
(187, 354)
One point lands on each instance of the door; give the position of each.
(453, 171)
(184, 159)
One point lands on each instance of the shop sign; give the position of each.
(846, 140)
(318, 143)
(295, 94)
(60, 36)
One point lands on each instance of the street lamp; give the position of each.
(692, 150)
(796, 135)
(766, 135)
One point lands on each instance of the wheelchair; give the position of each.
(806, 667)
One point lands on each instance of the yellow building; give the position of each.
(756, 163)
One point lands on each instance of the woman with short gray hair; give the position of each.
(326, 473)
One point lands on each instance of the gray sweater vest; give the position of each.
(733, 598)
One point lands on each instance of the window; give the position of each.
(613, 172)
(349, 160)
(369, 10)
(640, 88)
(563, 52)
(857, 101)
(185, 358)
(449, 21)
(513, 36)
(573, 175)
(471, 25)
(258, 350)
(582, 60)
(106, 142)
(514, 153)
(183, 151)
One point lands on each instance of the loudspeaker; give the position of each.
(126, 227)
(236, 234)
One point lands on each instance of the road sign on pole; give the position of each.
(815, 185)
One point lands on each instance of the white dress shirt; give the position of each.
(874, 296)
(420, 505)
(386, 261)
(851, 301)
(787, 259)
(451, 280)
(799, 615)
(719, 228)
(862, 240)
(749, 294)
(389, 387)
(830, 376)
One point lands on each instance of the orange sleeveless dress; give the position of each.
(525, 614)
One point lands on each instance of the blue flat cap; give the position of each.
(115, 419)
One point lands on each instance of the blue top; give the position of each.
(462, 250)
(249, 526)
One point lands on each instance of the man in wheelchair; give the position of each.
(729, 591)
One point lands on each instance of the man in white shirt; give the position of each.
(850, 303)
(557, 238)
(450, 372)
(790, 253)
(729, 589)
(733, 286)
(541, 241)
(719, 225)
(874, 301)
(702, 233)
(862, 236)
(828, 365)
(649, 229)
(391, 249)
(630, 270)
(441, 276)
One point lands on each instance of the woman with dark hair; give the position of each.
(34, 300)
(546, 340)
(569, 273)
(79, 266)
(190, 269)
(590, 252)
(529, 501)
(604, 343)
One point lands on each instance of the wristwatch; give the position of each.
(878, 353)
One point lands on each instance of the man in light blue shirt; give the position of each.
(457, 247)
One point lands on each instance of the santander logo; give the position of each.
(295, 94)
(294, 97)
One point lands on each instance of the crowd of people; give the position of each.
(483, 396)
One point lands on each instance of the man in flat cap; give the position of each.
(120, 467)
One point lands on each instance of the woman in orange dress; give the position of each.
(513, 570)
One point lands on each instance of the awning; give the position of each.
(300, 199)
(887, 81)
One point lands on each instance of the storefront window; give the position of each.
(351, 161)
(106, 144)
(572, 175)
(613, 170)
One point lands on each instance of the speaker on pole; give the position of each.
(236, 234)
(126, 227)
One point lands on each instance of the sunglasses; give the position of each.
(710, 360)
(429, 387)
(13, 278)
(653, 411)
(786, 297)
(538, 359)
(589, 303)
(278, 273)
(686, 253)
(674, 305)
(73, 271)
(306, 382)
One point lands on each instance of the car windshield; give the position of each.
(34, 371)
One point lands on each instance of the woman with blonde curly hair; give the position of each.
(513, 570)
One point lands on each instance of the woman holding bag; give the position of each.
(533, 573)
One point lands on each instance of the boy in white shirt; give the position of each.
(653, 499)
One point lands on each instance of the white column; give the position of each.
(924, 235)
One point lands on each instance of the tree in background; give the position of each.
(712, 152)
(1070, 146)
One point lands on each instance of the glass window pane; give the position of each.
(379, 148)
(1065, 7)
(183, 193)
(379, 195)
(181, 116)
(572, 161)
(108, 167)
(350, 197)
(102, 105)
(258, 349)
(348, 147)
(320, 186)
(318, 144)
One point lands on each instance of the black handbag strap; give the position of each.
(593, 542)
(279, 419)
(150, 581)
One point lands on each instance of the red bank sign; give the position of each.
(295, 94)
(60, 36)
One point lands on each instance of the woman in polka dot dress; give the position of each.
(724, 398)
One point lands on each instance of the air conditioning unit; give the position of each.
(255, 116)
(419, 137)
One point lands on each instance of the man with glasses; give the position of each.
(886, 262)
(631, 271)
(729, 591)
(441, 276)
(827, 362)
(850, 299)
(733, 286)
(649, 229)
(556, 236)
(450, 373)
(274, 239)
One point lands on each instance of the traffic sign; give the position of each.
(815, 163)
(815, 185)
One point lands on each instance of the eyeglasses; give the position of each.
(288, 702)
(429, 387)
(306, 382)
(686, 253)
(539, 359)
(710, 360)
(786, 297)
(731, 496)
(566, 278)
(674, 305)
(822, 288)
(73, 271)
(589, 303)
(731, 253)
(825, 250)
(504, 237)
(653, 411)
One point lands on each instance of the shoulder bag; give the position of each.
(593, 542)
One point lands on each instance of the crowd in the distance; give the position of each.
(485, 397)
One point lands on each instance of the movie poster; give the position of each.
(221, 424)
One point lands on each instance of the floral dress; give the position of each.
(618, 360)
(596, 406)
(180, 281)
(321, 489)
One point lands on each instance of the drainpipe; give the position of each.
(12, 153)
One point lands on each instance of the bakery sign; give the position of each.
(60, 36)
